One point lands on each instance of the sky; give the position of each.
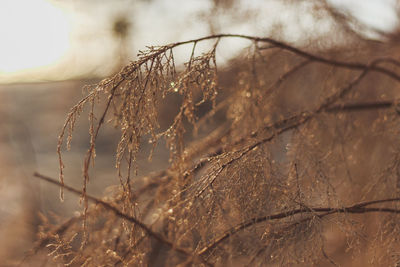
(379, 14)
(56, 40)
(31, 37)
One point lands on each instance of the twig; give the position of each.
(355, 209)
(349, 107)
(127, 217)
(42, 242)
(302, 53)
(327, 257)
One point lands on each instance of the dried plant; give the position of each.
(284, 157)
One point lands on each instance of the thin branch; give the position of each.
(349, 107)
(302, 53)
(127, 217)
(326, 256)
(285, 75)
(359, 208)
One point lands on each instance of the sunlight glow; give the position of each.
(34, 33)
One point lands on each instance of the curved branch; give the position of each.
(355, 209)
(125, 216)
(302, 53)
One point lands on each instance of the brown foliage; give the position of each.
(284, 157)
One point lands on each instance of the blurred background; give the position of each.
(50, 49)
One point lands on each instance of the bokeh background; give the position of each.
(50, 49)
